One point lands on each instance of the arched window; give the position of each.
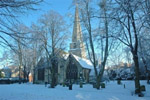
(72, 71)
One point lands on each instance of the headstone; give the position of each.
(70, 86)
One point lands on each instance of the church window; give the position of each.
(72, 71)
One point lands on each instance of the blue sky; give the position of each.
(61, 6)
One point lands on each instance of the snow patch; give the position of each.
(40, 92)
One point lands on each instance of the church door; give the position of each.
(72, 71)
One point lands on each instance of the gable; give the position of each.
(84, 63)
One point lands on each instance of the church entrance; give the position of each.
(72, 71)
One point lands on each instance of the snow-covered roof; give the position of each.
(85, 63)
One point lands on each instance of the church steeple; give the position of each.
(77, 46)
(77, 32)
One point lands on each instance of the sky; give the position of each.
(63, 7)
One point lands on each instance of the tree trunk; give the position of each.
(137, 76)
(53, 81)
(135, 54)
(20, 74)
(27, 76)
(53, 78)
(99, 78)
(98, 82)
(24, 71)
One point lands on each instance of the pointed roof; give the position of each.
(82, 62)
(77, 32)
(85, 63)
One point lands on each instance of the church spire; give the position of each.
(77, 32)
(77, 46)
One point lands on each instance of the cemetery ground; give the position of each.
(113, 91)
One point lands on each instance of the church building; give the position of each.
(74, 65)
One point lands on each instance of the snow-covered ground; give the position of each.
(40, 92)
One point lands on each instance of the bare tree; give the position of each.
(86, 19)
(20, 42)
(54, 36)
(103, 6)
(36, 47)
(127, 14)
(144, 53)
(27, 49)
(87, 15)
(9, 12)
